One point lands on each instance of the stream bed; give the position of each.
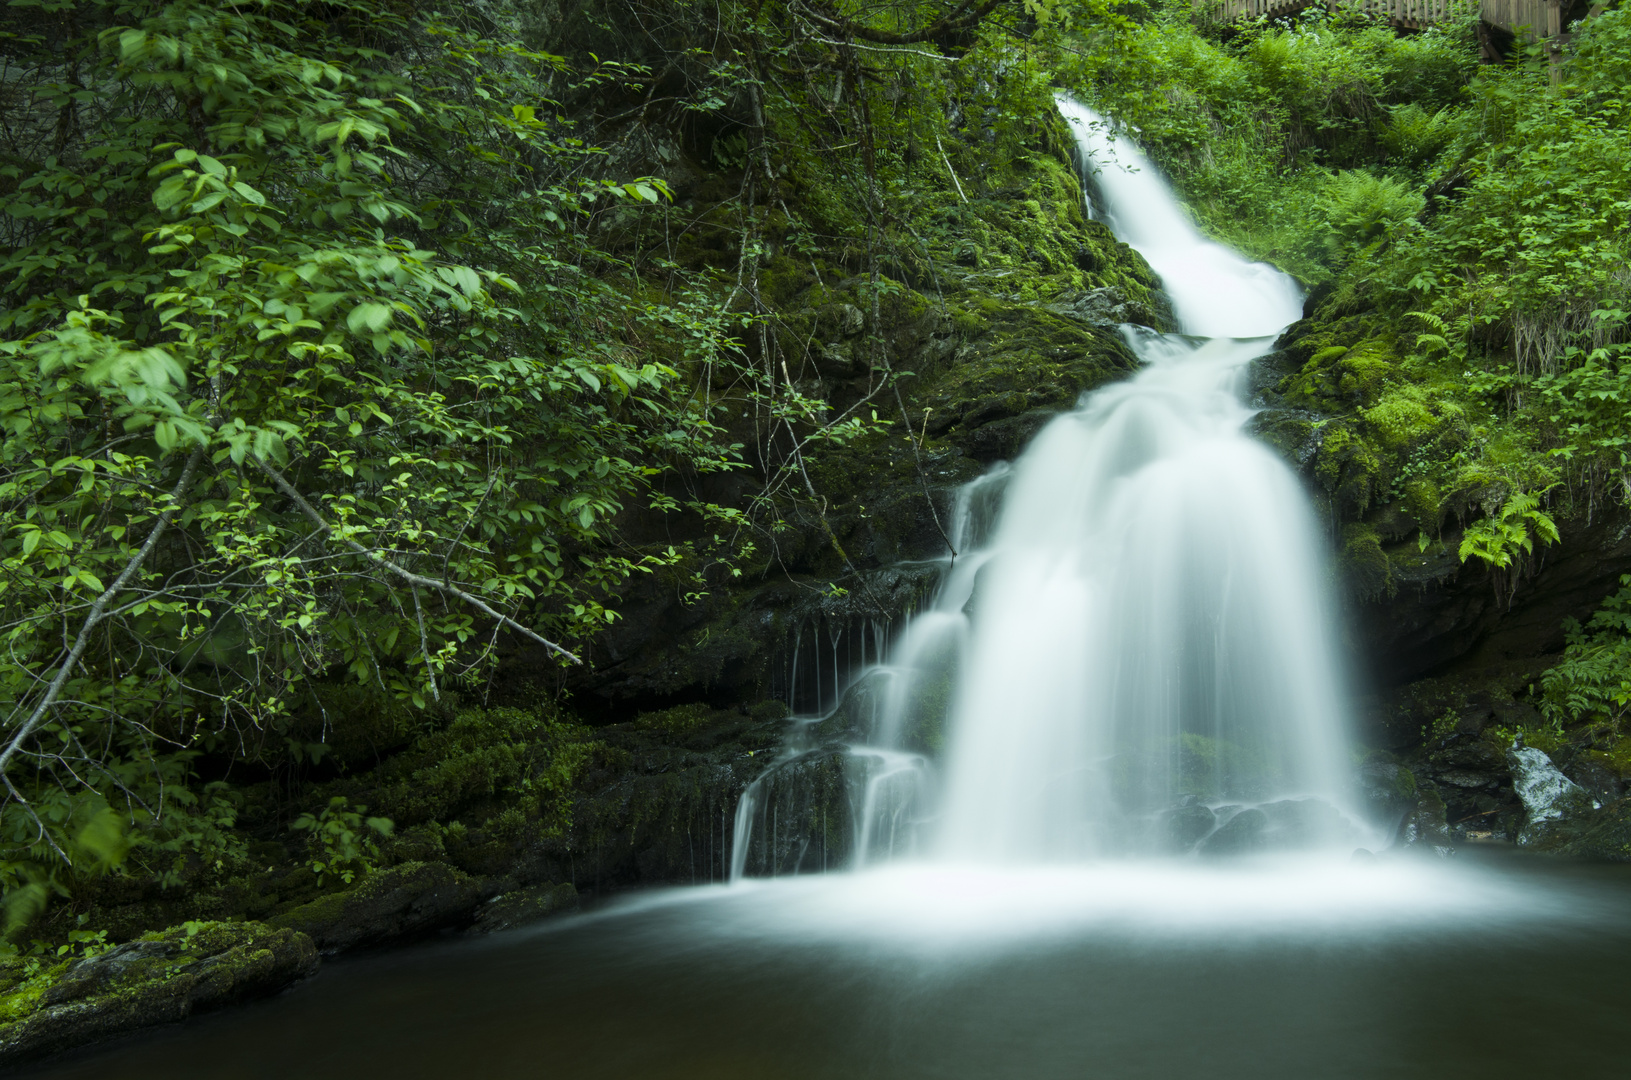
(1487, 966)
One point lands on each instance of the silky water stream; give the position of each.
(1135, 858)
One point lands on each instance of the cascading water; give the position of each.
(1133, 653)
(1148, 628)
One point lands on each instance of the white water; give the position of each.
(1141, 624)
(1149, 619)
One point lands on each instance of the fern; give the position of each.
(1498, 539)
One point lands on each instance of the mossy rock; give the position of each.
(158, 979)
(406, 901)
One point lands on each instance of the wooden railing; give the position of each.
(1542, 17)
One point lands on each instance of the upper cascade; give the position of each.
(1214, 292)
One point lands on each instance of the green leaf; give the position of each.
(368, 317)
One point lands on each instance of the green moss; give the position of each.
(36, 977)
(325, 909)
(1424, 500)
(1402, 417)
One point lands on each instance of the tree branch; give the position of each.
(424, 646)
(406, 575)
(98, 610)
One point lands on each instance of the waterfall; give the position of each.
(1134, 653)
(1149, 633)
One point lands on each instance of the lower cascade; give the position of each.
(1133, 652)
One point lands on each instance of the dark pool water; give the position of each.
(1512, 969)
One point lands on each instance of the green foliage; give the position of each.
(1441, 728)
(1415, 136)
(339, 841)
(1499, 537)
(298, 354)
(1593, 680)
(1361, 209)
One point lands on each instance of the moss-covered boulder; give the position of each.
(406, 901)
(157, 979)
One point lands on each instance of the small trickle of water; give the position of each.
(1133, 653)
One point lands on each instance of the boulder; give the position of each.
(1299, 824)
(1390, 791)
(1604, 783)
(1183, 826)
(406, 901)
(160, 978)
(1424, 828)
(1550, 799)
(1408, 810)
(1103, 307)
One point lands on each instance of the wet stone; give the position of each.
(1243, 834)
(1185, 825)
(1550, 799)
(1465, 778)
(1390, 790)
(406, 901)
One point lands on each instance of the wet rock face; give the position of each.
(1245, 832)
(1552, 802)
(1452, 616)
(158, 979)
(659, 802)
(803, 821)
(1284, 825)
(987, 353)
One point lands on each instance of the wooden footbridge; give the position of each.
(1528, 20)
